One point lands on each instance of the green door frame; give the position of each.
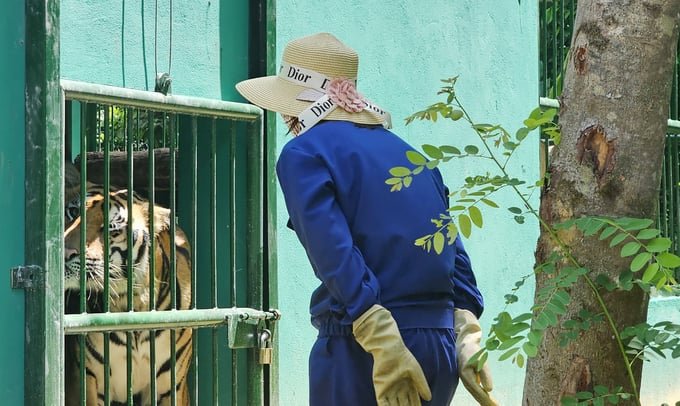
(43, 380)
(262, 61)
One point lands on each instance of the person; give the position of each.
(387, 312)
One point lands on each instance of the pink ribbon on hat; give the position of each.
(344, 94)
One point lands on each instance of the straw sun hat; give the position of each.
(314, 70)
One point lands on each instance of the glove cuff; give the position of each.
(465, 322)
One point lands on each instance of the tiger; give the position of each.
(93, 358)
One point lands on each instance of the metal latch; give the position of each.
(266, 349)
(24, 277)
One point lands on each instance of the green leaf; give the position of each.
(448, 149)
(650, 272)
(617, 239)
(530, 350)
(522, 133)
(392, 181)
(522, 318)
(465, 225)
(668, 260)
(631, 224)
(607, 232)
(510, 343)
(438, 242)
(640, 261)
(568, 401)
(647, 234)
(535, 337)
(407, 181)
(490, 203)
(456, 115)
(400, 171)
(418, 169)
(471, 149)
(630, 248)
(416, 158)
(520, 360)
(658, 245)
(519, 219)
(584, 395)
(562, 296)
(557, 307)
(509, 353)
(515, 210)
(433, 151)
(476, 216)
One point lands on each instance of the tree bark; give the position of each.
(613, 116)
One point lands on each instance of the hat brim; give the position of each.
(276, 94)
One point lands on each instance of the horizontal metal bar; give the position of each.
(95, 93)
(129, 321)
(553, 103)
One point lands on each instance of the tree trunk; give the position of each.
(614, 111)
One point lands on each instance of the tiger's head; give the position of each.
(121, 219)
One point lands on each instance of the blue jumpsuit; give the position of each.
(359, 238)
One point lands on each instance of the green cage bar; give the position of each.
(220, 155)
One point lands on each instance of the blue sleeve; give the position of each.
(466, 294)
(322, 228)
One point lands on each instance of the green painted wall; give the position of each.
(12, 198)
(405, 47)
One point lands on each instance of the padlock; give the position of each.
(265, 347)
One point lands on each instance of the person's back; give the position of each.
(352, 162)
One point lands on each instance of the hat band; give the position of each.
(322, 105)
(306, 77)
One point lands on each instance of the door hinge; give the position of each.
(24, 277)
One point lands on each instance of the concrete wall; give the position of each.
(405, 47)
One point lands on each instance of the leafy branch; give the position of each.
(519, 337)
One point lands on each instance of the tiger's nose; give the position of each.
(70, 253)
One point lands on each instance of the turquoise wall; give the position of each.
(405, 47)
(124, 43)
(12, 198)
(660, 378)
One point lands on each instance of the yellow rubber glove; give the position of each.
(397, 377)
(468, 338)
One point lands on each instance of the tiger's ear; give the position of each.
(161, 219)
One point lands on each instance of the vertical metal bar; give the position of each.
(83, 247)
(194, 232)
(675, 178)
(270, 275)
(555, 62)
(544, 49)
(233, 242)
(132, 130)
(152, 247)
(213, 253)
(560, 50)
(108, 132)
(173, 255)
(254, 241)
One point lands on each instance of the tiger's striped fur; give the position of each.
(119, 221)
